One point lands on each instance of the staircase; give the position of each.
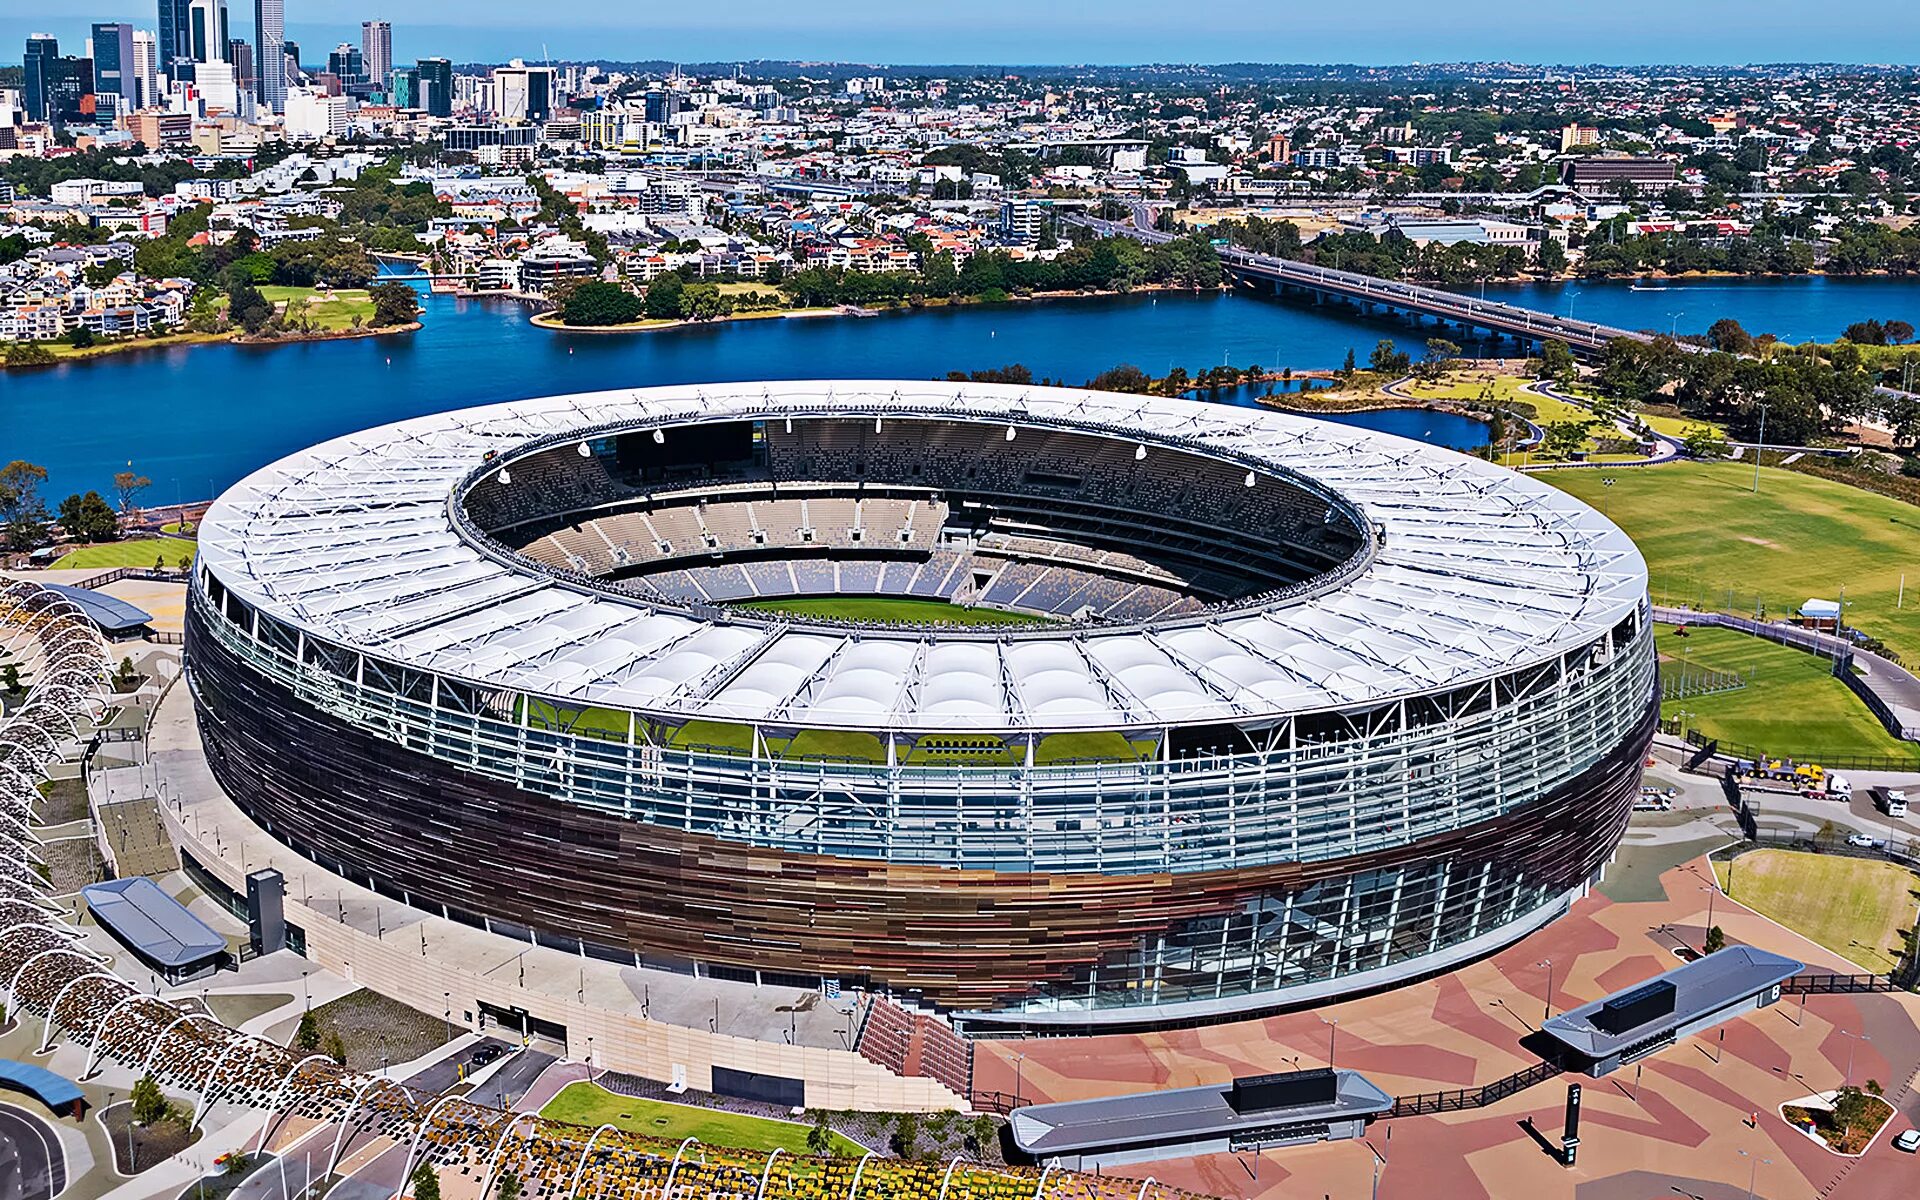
(916, 1044)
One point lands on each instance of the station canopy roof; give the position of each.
(152, 923)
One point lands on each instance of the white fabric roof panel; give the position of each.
(1480, 572)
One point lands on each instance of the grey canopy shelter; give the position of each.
(157, 928)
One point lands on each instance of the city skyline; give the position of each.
(1720, 32)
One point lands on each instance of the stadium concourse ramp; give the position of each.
(50, 973)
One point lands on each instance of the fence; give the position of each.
(1690, 682)
(1832, 762)
(1842, 652)
(1428, 1103)
(118, 573)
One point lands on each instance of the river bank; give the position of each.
(63, 353)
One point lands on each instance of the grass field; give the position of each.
(1710, 542)
(336, 310)
(134, 552)
(1854, 907)
(1792, 706)
(894, 608)
(592, 1105)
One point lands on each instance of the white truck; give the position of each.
(1839, 788)
(1891, 801)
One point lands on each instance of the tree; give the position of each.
(394, 304)
(1553, 256)
(235, 1164)
(663, 297)
(1388, 359)
(247, 307)
(306, 1036)
(149, 1104)
(426, 1183)
(88, 518)
(1124, 378)
(1897, 332)
(598, 304)
(1556, 360)
(981, 1132)
(1439, 353)
(1347, 367)
(1729, 335)
(1852, 1108)
(1566, 437)
(127, 486)
(1703, 441)
(1716, 940)
(906, 1134)
(80, 338)
(336, 1049)
(23, 518)
(820, 1134)
(508, 1188)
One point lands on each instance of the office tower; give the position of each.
(113, 63)
(146, 69)
(376, 49)
(346, 64)
(174, 41)
(207, 36)
(662, 106)
(269, 53)
(436, 86)
(403, 87)
(522, 93)
(240, 54)
(42, 48)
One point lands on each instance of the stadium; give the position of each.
(1052, 709)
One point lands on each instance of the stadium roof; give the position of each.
(1481, 571)
(152, 923)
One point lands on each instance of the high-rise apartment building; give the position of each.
(269, 53)
(376, 48)
(436, 86)
(146, 69)
(403, 87)
(113, 63)
(58, 90)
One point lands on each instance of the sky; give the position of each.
(1055, 31)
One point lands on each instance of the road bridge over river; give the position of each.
(1527, 326)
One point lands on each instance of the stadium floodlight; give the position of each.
(505, 476)
(1012, 433)
(1249, 478)
(586, 451)
(659, 437)
(1139, 452)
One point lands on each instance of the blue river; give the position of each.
(195, 419)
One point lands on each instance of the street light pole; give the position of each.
(1548, 1007)
(1761, 451)
(1333, 1030)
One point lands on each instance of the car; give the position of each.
(1862, 840)
(487, 1053)
(1908, 1141)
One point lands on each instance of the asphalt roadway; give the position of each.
(32, 1164)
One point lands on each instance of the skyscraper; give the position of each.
(376, 48)
(174, 40)
(240, 54)
(207, 30)
(403, 87)
(113, 63)
(346, 64)
(436, 86)
(146, 69)
(522, 93)
(269, 53)
(42, 48)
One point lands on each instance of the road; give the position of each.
(33, 1166)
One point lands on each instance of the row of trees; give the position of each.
(1805, 393)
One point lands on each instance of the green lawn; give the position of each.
(592, 1105)
(893, 608)
(1854, 907)
(329, 310)
(134, 552)
(1793, 705)
(1711, 542)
